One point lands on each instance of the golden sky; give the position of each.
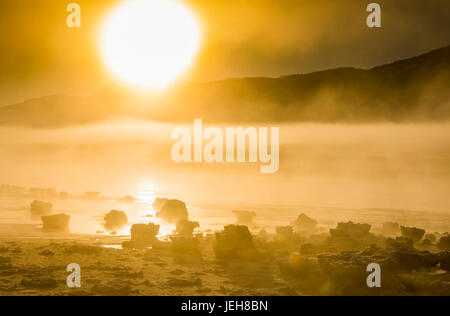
(40, 55)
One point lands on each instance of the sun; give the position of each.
(150, 43)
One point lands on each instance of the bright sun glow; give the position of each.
(150, 43)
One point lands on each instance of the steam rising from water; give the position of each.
(357, 166)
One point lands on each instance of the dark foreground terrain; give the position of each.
(231, 262)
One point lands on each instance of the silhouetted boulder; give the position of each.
(244, 217)
(391, 229)
(115, 220)
(39, 209)
(350, 236)
(234, 242)
(444, 243)
(159, 203)
(347, 272)
(284, 233)
(414, 260)
(350, 230)
(402, 272)
(416, 234)
(431, 237)
(304, 223)
(445, 260)
(56, 223)
(400, 243)
(142, 236)
(172, 211)
(186, 228)
(427, 242)
(424, 283)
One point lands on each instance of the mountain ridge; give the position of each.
(413, 89)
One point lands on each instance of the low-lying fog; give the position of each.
(356, 166)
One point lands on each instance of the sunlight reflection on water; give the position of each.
(146, 191)
(364, 173)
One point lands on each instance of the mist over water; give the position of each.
(322, 167)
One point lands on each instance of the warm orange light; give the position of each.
(150, 43)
